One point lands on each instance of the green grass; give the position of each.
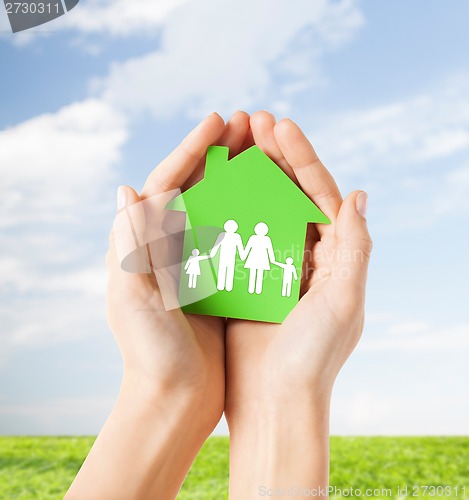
(43, 467)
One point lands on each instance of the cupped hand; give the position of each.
(277, 364)
(168, 351)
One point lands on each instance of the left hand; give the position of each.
(280, 376)
(307, 350)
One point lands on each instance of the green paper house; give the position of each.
(244, 241)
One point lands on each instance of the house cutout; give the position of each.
(244, 241)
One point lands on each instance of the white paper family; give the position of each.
(257, 257)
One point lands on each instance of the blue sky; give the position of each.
(96, 98)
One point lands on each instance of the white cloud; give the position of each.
(28, 275)
(57, 170)
(221, 55)
(58, 161)
(417, 336)
(417, 385)
(378, 317)
(411, 155)
(408, 328)
(29, 322)
(49, 306)
(362, 410)
(63, 416)
(58, 408)
(453, 196)
(416, 412)
(119, 17)
(213, 54)
(430, 126)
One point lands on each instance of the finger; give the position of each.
(172, 172)
(235, 133)
(248, 141)
(127, 236)
(312, 237)
(262, 126)
(313, 177)
(354, 245)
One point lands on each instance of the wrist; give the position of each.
(286, 442)
(247, 403)
(271, 414)
(150, 436)
(182, 404)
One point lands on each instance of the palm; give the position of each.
(164, 345)
(298, 351)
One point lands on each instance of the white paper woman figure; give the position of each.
(289, 274)
(192, 267)
(258, 254)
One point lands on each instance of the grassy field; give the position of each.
(42, 468)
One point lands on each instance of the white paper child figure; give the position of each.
(192, 267)
(289, 273)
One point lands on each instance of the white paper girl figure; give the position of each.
(258, 254)
(289, 274)
(192, 267)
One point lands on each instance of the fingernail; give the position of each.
(361, 203)
(121, 197)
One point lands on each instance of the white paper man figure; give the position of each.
(192, 267)
(289, 273)
(258, 254)
(228, 243)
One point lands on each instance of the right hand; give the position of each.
(169, 351)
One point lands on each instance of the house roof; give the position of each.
(256, 177)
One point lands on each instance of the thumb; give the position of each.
(126, 249)
(126, 196)
(354, 241)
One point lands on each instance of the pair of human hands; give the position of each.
(169, 349)
(244, 367)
